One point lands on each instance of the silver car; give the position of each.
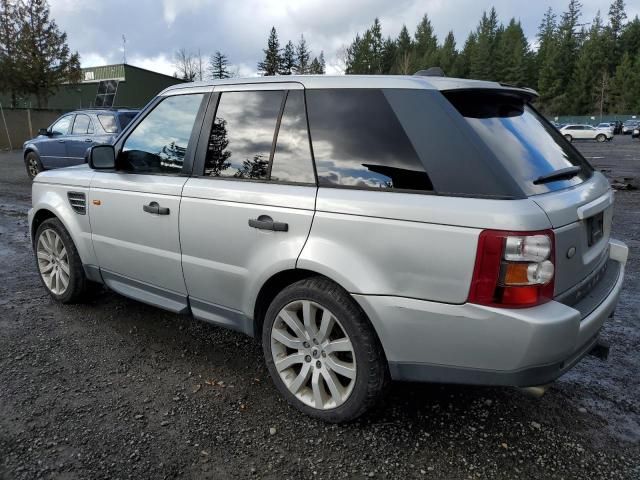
(363, 228)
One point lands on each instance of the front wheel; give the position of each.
(58, 263)
(601, 137)
(321, 351)
(569, 138)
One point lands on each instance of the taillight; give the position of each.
(513, 269)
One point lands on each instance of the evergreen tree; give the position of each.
(513, 57)
(426, 45)
(626, 85)
(376, 47)
(9, 68)
(404, 55)
(447, 55)
(547, 41)
(272, 62)
(630, 37)
(288, 59)
(302, 57)
(323, 64)
(218, 66)
(462, 66)
(589, 85)
(389, 52)
(315, 68)
(482, 56)
(42, 52)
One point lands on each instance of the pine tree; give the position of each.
(426, 45)
(447, 55)
(302, 57)
(389, 53)
(323, 64)
(630, 37)
(513, 57)
(42, 53)
(588, 88)
(404, 55)
(272, 62)
(218, 66)
(482, 57)
(547, 42)
(462, 66)
(315, 68)
(376, 47)
(9, 68)
(288, 59)
(626, 85)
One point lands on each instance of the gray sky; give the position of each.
(156, 28)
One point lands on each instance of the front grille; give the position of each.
(78, 202)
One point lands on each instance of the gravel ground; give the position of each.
(117, 389)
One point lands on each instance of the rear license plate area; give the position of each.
(595, 228)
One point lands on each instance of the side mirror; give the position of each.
(44, 131)
(102, 157)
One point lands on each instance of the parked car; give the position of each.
(333, 218)
(606, 126)
(66, 141)
(586, 132)
(629, 126)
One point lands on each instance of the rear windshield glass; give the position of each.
(527, 145)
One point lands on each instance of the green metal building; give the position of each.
(119, 85)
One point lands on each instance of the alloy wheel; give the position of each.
(313, 355)
(32, 165)
(53, 261)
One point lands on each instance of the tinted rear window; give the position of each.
(359, 142)
(524, 142)
(125, 118)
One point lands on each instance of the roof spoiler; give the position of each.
(431, 72)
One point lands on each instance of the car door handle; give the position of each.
(60, 141)
(265, 222)
(156, 209)
(88, 140)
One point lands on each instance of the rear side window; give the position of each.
(520, 139)
(242, 134)
(82, 125)
(358, 142)
(108, 122)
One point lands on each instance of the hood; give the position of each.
(77, 176)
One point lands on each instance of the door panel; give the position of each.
(225, 261)
(130, 241)
(53, 149)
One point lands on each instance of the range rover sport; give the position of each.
(364, 228)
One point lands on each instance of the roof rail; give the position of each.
(431, 72)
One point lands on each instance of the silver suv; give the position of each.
(364, 228)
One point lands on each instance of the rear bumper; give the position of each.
(473, 344)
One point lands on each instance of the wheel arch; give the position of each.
(40, 216)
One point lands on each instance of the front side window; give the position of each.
(359, 142)
(242, 134)
(82, 125)
(159, 142)
(108, 122)
(61, 127)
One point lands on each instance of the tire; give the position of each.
(66, 263)
(569, 138)
(318, 363)
(33, 164)
(601, 137)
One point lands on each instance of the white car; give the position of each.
(605, 126)
(586, 132)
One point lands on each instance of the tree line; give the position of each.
(578, 68)
(292, 59)
(34, 56)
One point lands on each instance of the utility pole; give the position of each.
(124, 49)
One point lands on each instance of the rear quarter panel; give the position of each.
(409, 245)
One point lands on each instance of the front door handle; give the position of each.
(156, 209)
(60, 141)
(88, 140)
(265, 222)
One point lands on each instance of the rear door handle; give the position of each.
(60, 141)
(156, 209)
(88, 140)
(265, 222)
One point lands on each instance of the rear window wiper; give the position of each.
(562, 174)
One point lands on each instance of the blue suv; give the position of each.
(66, 141)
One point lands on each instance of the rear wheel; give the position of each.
(569, 138)
(58, 263)
(321, 351)
(601, 137)
(32, 162)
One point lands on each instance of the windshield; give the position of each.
(526, 144)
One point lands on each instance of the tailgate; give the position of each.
(581, 219)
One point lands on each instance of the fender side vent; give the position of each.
(78, 202)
